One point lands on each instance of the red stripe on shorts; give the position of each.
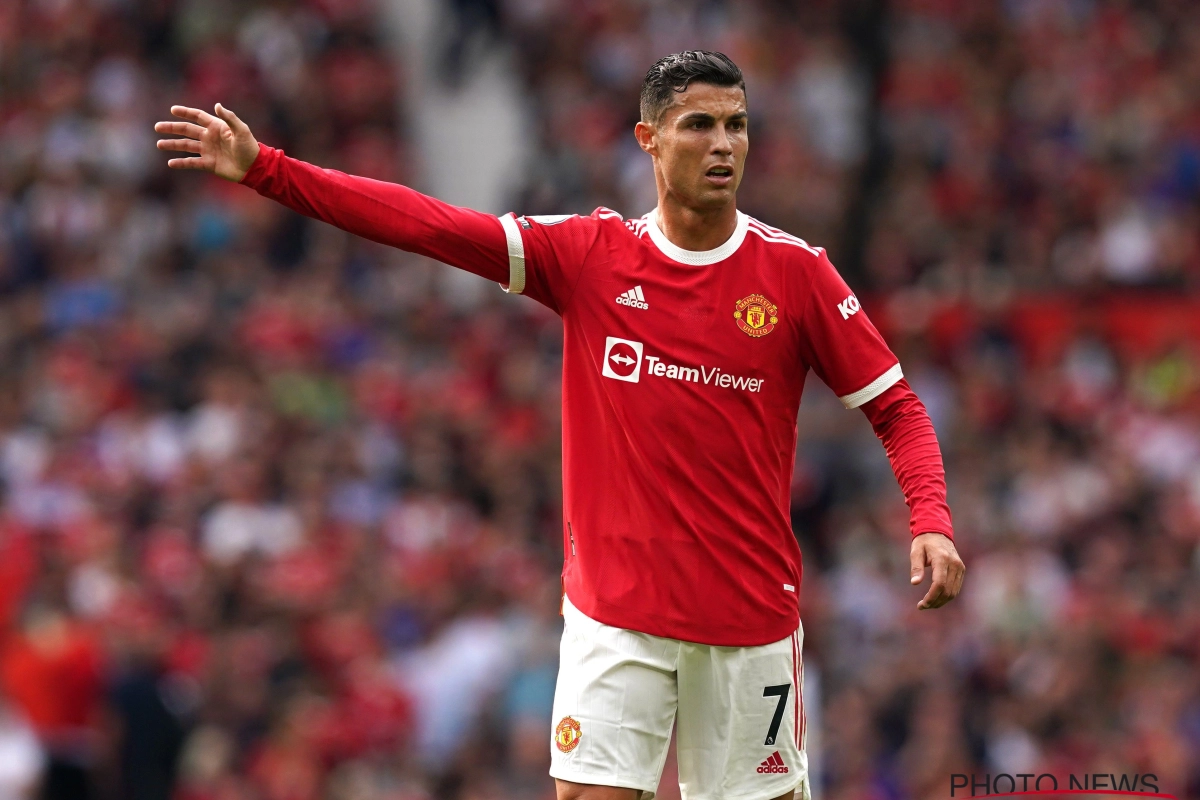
(803, 712)
(796, 683)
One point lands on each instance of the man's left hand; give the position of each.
(937, 551)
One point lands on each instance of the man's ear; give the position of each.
(647, 137)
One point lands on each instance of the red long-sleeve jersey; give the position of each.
(682, 377)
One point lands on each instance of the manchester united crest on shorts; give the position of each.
(756, 315)
(567, 735)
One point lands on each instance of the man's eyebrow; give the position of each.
(704, 116)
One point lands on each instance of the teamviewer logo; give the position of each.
(622, 359)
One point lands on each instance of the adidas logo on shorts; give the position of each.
(633, 298)
(773, 764)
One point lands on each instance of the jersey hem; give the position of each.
(873, 389)
(617, 617)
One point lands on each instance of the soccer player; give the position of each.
(688, 334)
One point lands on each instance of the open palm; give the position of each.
(224, 143)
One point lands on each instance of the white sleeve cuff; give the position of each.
(873, 389)
(516, 255)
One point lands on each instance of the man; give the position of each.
(687, 337)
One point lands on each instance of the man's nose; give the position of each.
(722, 145)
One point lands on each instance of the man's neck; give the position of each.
(694, 229)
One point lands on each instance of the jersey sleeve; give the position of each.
(840, 343)
(387, 213)
(903, 426)
(547, 254)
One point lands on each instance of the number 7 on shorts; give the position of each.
(781, 691)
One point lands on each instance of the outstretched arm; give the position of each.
(903, 426)
(382, 212)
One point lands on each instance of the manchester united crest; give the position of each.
(756, 315)
(567, 735)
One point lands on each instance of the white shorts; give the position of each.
(738, 712)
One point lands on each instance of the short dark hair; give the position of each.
(673, 74)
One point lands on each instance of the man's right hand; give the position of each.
(224, 143)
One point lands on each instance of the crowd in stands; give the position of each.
(281, 508)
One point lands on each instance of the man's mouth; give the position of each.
(720, 172)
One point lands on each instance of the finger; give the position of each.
(230, 118)
(186, 163)
(179, 129)
(937, 591)
(916, 560)
(958, 573)
(201, 118)
(934, 598)
(182, 145)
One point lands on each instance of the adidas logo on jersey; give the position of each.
(633, 298)
(773, 764)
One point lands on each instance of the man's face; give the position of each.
(700, 144)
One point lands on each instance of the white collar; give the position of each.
(697, 258)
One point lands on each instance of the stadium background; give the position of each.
(281, 507)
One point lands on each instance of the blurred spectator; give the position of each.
(22, 759)
(52, 671)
